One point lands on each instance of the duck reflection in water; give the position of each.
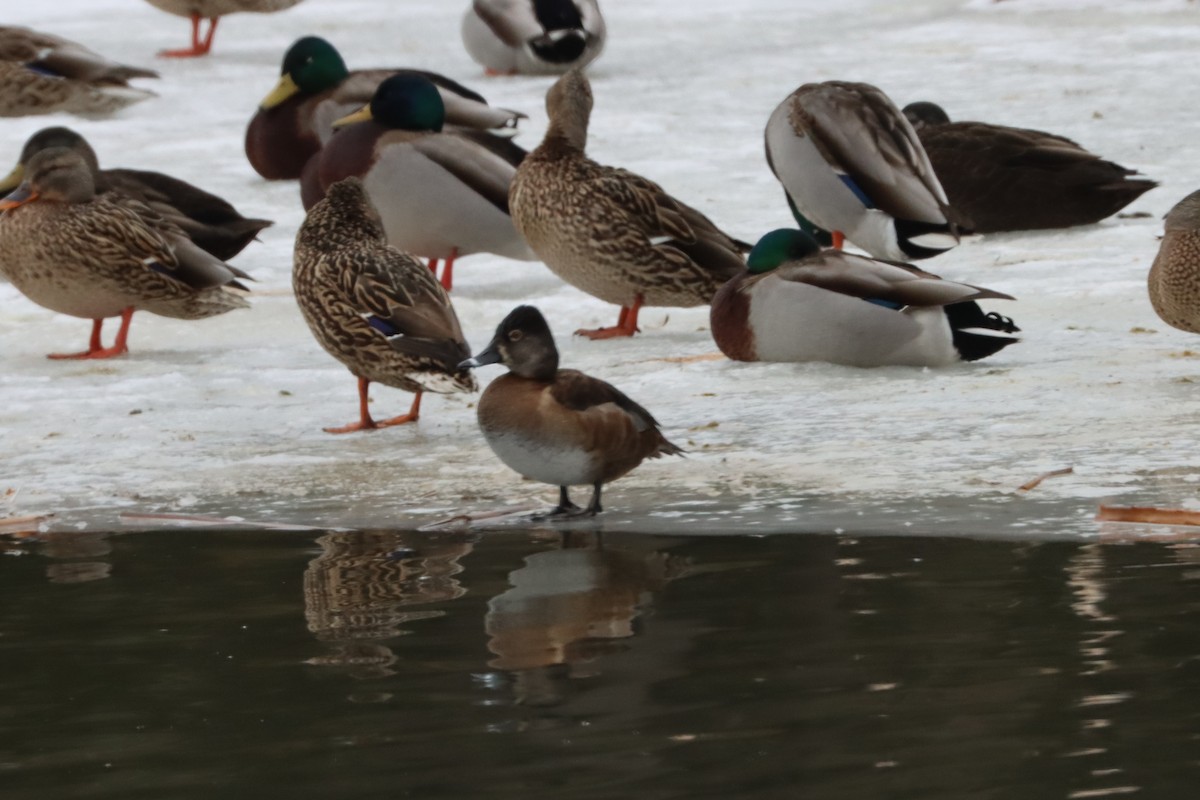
(357, 592)
(568, 607)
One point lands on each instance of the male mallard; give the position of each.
(797, 302)
(441, 193)
(98, 256)
(211, 10)
(374, 308)
(559, 426)
(1174, 282)
(315, 88)
(1012, 179)
(208, 220)
(609, 232)
(44, 74)
(533, 37)
(852, 165)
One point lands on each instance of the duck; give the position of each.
(797, 302)
(208, 220)
(1174, 280)
(852, 165)
(315, 87)
(98, 256)
(608, 231)
(212, 10)
(374, 308)
(1016, 179)
(533, 37)
(559, 426)
(41, 73)
(442, 193)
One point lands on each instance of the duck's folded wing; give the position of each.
(512, 21)
(860, 131)
(482, 170)
(869, 279)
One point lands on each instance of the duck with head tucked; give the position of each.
(208, 220)
(797, 302)
(559, 426)
(375, 309)
(315, 88)
(533, 37)
(1013, 179)
(610, 232)
(98, 256)
(212, 10)
(442, 193)
(44, 74)
(852, 165)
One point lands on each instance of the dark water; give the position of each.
(183, 664)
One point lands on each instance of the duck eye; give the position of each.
(515, 336)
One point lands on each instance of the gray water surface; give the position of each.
(532, 664)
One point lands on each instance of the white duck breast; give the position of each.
(800, 322)
(542, 461)
(533, 36)
(454, 215)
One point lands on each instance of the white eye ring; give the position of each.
(515, 336)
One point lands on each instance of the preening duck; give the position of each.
(533, 37)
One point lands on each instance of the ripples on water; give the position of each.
(188, 664)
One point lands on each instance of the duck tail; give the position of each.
(927, 239)
(978, 335)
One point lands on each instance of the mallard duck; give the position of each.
(797, 302)
(1012, 179)
(559, 426)
(98, 256)
(209, 221)
(609, 232)
(315, 88)
(212, 10)
(1174, 281)
(44, 74)
(441, 193)
(533, 37)
(374, 308)
(852, 165)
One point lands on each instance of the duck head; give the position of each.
(523, 343)
(310, 66)
(923, 113)
(56, 175)
(569, 106)
(780, 246)
(44, 139)
(402, 102)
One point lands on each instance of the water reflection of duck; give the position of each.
(356, 590)
(570, 606)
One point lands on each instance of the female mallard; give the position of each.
(208, 220)
(375, 309)
(533, 37)
(559, 426)
(1013, 179)
(211, 10)
(1174, 281)
(44, 74)
(609, 232)
(441, 193)
(98, 256)
(852, 165)
(797, 302)
(315, 88)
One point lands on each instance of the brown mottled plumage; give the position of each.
(208, 220)
(559, 426)
(1010, 179)
(1174, 281)
(97, 256)
(609, 232)
(376, 309)
(42, 74)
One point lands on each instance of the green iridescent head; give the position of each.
(408, 102)
(310, 66)
(780, 246)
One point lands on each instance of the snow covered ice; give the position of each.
(224, 416)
